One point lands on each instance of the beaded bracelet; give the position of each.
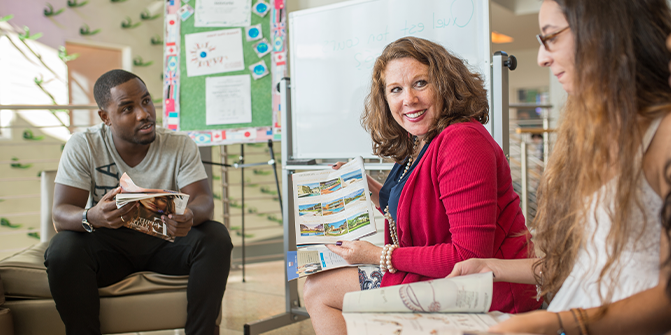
(383, 259)
(390, 268)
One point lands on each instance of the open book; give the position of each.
(153, 203)
(441, 306)
(333, 205)
(330, 206)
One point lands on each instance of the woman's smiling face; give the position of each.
(410, 95)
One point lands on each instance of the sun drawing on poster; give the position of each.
(201, 55)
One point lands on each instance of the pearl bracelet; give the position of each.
(383, 259)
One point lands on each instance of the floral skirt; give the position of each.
(370, 277)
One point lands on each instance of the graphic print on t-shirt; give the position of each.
(108, 177)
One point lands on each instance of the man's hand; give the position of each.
(179, 225)
(105, 214)
(357, 252)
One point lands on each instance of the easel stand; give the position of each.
(240, 165)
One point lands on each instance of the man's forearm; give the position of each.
(202, 208)
(68, 217)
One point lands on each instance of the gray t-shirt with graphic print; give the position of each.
(91, 162)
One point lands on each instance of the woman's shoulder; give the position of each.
(657, 159)
(464, 132)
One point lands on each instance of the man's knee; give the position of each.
(65, 247)
(213, 237)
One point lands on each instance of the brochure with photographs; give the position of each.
(333, 205)
(440, 306)
(308, 260)
(153, 203)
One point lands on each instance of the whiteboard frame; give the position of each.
(485, 69)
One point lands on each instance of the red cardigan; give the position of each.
(457, 204)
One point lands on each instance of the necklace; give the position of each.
(409, 163)
(392, 223)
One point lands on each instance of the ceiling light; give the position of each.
(501, 38)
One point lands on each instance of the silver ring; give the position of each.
(122, 219)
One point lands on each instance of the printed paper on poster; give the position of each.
(217, 13)
(214, 52)
(228, 100)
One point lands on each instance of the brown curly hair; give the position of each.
(621, 84)
(461, 92)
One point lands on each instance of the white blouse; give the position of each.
(638, 266)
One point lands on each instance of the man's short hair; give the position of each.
(104, 85)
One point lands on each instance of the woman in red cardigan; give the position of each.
(449, 196)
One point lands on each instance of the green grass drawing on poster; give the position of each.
(192, 89)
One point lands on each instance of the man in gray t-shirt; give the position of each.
(93, 249)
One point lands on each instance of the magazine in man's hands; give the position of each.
(152, 205)
(333, 205)
(413, 308)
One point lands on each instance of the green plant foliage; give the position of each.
(157, 100)
(118, 0)
(86, 31)
(274, 219)
(128, 23)
(235, 228)
(261, 172)
(39, 174)
(75, 3)
(216, 178)
(157, 40)
(49, 11)
(18, 165)
(233, 203)
(63, 55)
(138, 61)
(6, 18)
(267, 190)
(256, 145)
(5, 223)
(252, 210)
(237, 232)
(216, 196)
(145, 15)
(248, 183)
(34, 234)
(26, 35)
(28, 135)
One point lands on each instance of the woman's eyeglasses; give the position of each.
(543, 39)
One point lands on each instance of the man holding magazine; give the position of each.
(93, 248)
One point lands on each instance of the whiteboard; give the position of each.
(333, 50)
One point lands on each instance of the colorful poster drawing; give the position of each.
(337, 228)
(354, 196)
(308, 190)
(335, 206)
(214, 52)
(308, 229)
(357, 221)
(310, 210)
(351, 178)
(330, 186)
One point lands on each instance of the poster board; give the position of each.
(187, 87)
(333, 49)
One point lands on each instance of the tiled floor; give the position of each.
(260, 297)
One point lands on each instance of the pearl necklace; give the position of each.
(392, 223)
